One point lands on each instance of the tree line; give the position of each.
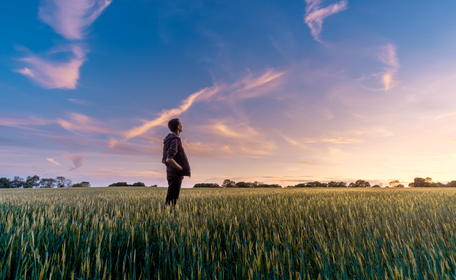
(227, 183)
(34, 182)
(124, 184)
(418, 182)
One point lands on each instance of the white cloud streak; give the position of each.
(51, 74)
(238, 90)
(52, 161)
(71, 18)
(388, 56)
(82, 123)
(315, 15)
(166, 115)
(24, 123)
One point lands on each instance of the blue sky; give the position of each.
(273, 91)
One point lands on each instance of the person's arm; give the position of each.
(173, 163)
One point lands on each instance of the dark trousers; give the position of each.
(174, 186)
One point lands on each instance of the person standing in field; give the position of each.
(176, 162)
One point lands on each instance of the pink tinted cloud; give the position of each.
(199, 149)
(239, 90)
(268, 76)
(82, 123)
(77, 161)
(315, 15)
(52, 161)
(71, 18)
(230, 130)
(252, 85)
(24, 123)
(388, 56)
(237, 138)
(338, 140)
(54, 74)
(165, 115)
(76, 123)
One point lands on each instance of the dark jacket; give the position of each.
(172, 148)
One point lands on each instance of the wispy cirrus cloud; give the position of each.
(199, 149)
(54, 74)
(76, 123)
(237, 138)
(71, 18)
(338, 140)
(83, 123)
(252, 82)
(315, 15)
(232, 131)
(24, 123)
(51, 160)
(76, 159)
(388, 56)
(238, 90)
(79, 101)
(165, 115)
(252, 85)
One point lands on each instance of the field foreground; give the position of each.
(124, 233)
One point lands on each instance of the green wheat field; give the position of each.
(124, 233)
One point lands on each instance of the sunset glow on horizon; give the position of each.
(278, 92)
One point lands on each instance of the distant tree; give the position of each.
(411, 185)
(360, 184)
(68, 183)
(400, 186)
(394, 183)
(63, 182)
(334, 184)
(47, 183)
(83, 184)
(32, 181)
(206, 185)
(376, 186)
(154, 186)
(451, 184)
(5, 183)
(256, 184)
(17, 182)
(139, 184)
(242, 185)
(227, 183)
(269, 186)
(421, 182)
(316, 184)
(59, 181)
(119, 184)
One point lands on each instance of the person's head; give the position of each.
(175, 126)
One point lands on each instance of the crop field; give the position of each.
(124, 233)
